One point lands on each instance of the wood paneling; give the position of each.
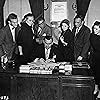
(49, 87)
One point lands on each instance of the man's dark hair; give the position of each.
(26, 16)
(79, 16)
(11, 16)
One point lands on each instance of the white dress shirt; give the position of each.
(47, 53)
(12, 31)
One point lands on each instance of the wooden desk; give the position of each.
(51, 87)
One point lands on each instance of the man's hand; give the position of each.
(79, 58)
(20, 50)
(4, 59)
(62, 39)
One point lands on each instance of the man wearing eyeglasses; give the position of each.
(8, 38)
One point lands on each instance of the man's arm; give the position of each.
(2, 36)
(86, 43)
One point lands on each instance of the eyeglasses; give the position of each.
(32, 21)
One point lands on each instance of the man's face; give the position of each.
(48, 43)
(30, 20)
(13, 22)
(64, 26)
(78, 22)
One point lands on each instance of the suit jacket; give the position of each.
(25, 39)
(81, 42)
(7, 45)
(40, 52)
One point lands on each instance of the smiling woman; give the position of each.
(95, 56)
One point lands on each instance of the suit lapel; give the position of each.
(79, 33)
(9, 33)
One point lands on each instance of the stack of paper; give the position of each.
(24, 69)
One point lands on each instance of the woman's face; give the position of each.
(96, 29)
(64, 26)
(30, 20)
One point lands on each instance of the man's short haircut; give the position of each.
(26, 16)
(11, 16)
(79, 16)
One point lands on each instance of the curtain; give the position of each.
(37, 8)
(82, 7)
(2, 2)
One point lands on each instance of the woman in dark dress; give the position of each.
(26, 41)
(66, 42)
(95, 55)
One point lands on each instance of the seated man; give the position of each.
(48, 50)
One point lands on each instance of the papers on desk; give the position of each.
(38, 68)
(46, 68)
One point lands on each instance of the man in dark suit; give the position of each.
(48, 50)
(81, 39)
(8, 46)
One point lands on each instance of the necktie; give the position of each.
(76, 31)
(47, 54)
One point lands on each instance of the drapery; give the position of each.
(82, 7)
(2, 2)
(37, 8)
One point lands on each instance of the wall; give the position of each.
(93, 12)
(71, 12)
(21, 7)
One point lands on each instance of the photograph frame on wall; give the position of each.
(59, 11)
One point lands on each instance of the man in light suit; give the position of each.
(8, 37)
(81, 39)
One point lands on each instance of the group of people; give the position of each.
(28, 42)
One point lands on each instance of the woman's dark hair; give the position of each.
(11, 16)
(97, 23)
(64, 21)
(26, 16)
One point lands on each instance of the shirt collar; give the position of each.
(80, 27)
(11, 27)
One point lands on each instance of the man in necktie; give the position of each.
(81, 39)
(8, 45)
